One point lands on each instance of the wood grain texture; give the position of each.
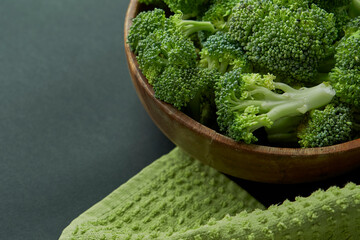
(251, 162)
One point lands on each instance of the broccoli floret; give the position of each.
(350, 7)
(144, 24)
(188, 89)
(348, 52)
(247, 102)
(352, 27)
(345, 77)
(343, 10)
(162, 49)
(346, 82)
(169, 45)
(192, 8)
(289, 41)
(330, 126)
(245, 18)
(219, 12)
(147, 22)
(221, 53)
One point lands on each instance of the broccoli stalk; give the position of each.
(354, 9)
(247, 102)
(188, 27)
(284, 131)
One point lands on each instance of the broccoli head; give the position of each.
(221, 53)
(165, 43)
(245, 17)
(192, 8)
(247, 102)
(219, 12)
(289, 41)
(345, 77)
(162, 49)
(330, 126)
(188, 89)
(144, 24)
(343, 10)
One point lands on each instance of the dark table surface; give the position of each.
(72, 128)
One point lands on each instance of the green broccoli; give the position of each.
(247, 102)
(192, 8)
(167, 44)
(289, 41)
(330, 126)
(219, 12)
(149, 21)
(162, 49)
(188, 88)
(284, 131)
(345, 77)
(177, 23)
(229, 66)
(221, 53)
(343, 10)
(144, 24)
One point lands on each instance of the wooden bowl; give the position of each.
(251, 162)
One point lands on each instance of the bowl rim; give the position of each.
(213, 135)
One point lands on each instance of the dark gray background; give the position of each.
(71, 126)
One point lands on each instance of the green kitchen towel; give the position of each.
(177, 197)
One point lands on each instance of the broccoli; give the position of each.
(345, 77)
(147, 22)
(288, 40)
(326, 127)
(166, 44)
(177, 23)
(221, 53)
(284, 131)
(188, 87)
(219, 12)
(343, 10)
(144, 24)
(161, 49)
(190, 9)
(226, 72)
(247, 102)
